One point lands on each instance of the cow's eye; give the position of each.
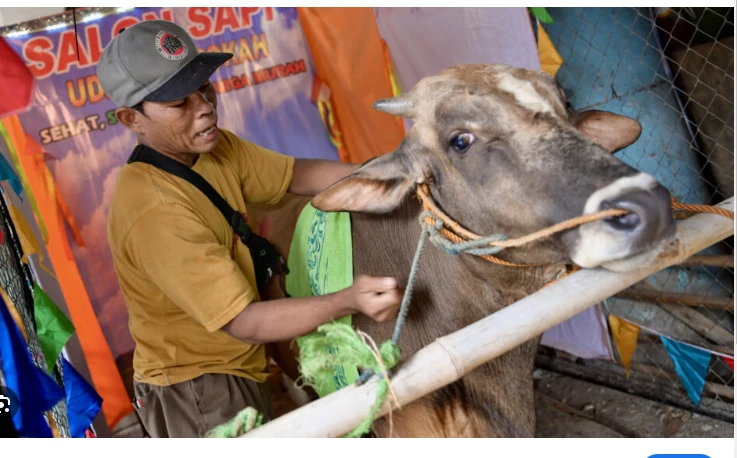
(462, 142)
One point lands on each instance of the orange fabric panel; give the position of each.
(105, 375)
(349, 57)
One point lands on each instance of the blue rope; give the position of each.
(469, 246)
(410, 284)
(432, 232)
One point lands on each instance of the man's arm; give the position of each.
(312, 176)
(182, 256)
(285, 319)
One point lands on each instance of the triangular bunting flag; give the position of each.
(14, 314)
(16, 81)
(550, 60)
(7, 173)
(35, 390)
(625, 338)
(53, 327)
(28, 241)
(729, 362)
(691, 365)
(83, 402)
(541, 14)
(584, 335)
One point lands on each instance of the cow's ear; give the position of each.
(608, 130)
(378, 186)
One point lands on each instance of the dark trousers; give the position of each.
(194, 407)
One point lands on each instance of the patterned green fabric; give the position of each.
(321, 262)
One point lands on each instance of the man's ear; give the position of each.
(608, 130)
(378, 186)
(129, 117)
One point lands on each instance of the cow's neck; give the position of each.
(452, 292)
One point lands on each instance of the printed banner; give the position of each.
(264, 96)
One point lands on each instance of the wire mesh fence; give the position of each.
(672, 70)
(15, 281)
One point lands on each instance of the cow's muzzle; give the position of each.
(627, 241)
(649, 219)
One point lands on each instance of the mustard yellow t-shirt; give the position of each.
(172, 251)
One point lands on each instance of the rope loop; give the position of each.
(478, 247)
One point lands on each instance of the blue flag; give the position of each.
(35, 390)
(83, 402)
(691, 365)
(7, 173)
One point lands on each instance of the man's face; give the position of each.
(185, 126)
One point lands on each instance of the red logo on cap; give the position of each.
(170, 46)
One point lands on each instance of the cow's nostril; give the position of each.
(648, 218)
(626, 222)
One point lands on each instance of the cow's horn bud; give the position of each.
(397, 106)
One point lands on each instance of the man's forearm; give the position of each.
(285, 319)
(312, 176)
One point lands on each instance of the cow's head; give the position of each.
(502, 153)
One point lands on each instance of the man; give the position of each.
(191, 292)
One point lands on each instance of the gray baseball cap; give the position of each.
(155, 61)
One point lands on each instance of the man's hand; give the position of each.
(378, 298)
(284, 319)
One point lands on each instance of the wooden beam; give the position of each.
(645, 337)
(721, 390)
(710, 261)
(613, 376)
(451, 357)
(700, 323)
(665, 297)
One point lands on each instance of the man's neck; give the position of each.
(187, 159)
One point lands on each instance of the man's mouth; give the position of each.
(208, 132)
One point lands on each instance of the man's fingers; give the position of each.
(392, 298)
(378, 284)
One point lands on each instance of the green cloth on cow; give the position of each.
(321, 262)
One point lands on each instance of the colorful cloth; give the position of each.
(16, 81)
(36, 391)
(53, 327)
(83, 402)
(321, 262)
(691, 365)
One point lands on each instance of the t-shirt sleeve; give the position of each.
(183, 258)
(265, 174)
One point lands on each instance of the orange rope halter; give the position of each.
(674, 204)
(454, 232)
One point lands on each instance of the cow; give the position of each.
(501, 151)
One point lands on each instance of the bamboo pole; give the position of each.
(452, 356)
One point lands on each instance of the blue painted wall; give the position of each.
(612, 62)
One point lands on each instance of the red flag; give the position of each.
(16, 81)
(729, 362)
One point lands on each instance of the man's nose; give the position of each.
(207, 106)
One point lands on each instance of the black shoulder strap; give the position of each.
(148, 155)
(266, 259)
